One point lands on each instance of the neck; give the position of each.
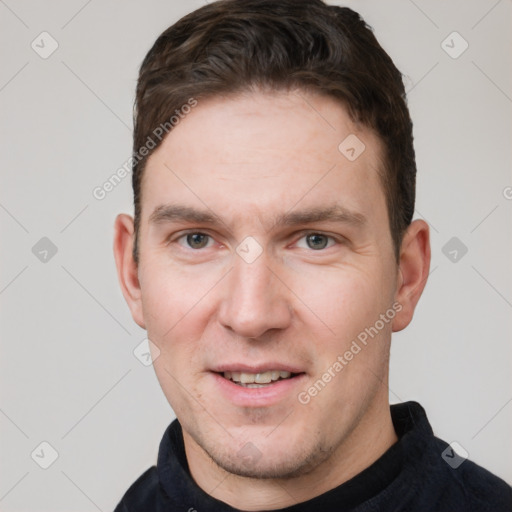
(373, 436)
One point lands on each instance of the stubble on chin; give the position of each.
(251, 462)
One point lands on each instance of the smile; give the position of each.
(257, 380)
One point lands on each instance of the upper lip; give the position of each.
(259, 368)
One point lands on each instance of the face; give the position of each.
(265, 252)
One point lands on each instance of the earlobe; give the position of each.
(127, 270)
(413, 271)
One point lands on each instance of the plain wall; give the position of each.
(68, 375)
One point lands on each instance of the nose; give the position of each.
(255, 299)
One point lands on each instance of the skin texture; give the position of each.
(248, 160)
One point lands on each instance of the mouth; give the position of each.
(257, 385)
(258, 380)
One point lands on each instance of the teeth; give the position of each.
(247, 378)
(255, 379)
(263, 378)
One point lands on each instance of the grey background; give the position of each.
(68, 375)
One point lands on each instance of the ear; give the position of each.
(413, 271)
(127, 270)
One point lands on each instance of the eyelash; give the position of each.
(305, 234)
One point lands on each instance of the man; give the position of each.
(271, 256)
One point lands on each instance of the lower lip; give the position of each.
(257, 397)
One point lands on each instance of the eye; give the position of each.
(195, 240)
(316, 241)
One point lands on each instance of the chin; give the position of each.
(261, 467)
(270, 460)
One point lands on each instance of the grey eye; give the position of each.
(317, 241)
(197, 240)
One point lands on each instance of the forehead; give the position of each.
(263, 152)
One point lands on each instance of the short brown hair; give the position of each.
(230, 46)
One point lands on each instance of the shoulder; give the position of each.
(465, 482)
(142, 494)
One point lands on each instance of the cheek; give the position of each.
(343, 301)
(350, 356)
(173, 306)
(172, 295)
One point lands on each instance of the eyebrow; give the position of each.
(335, 213)
(170, 213)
